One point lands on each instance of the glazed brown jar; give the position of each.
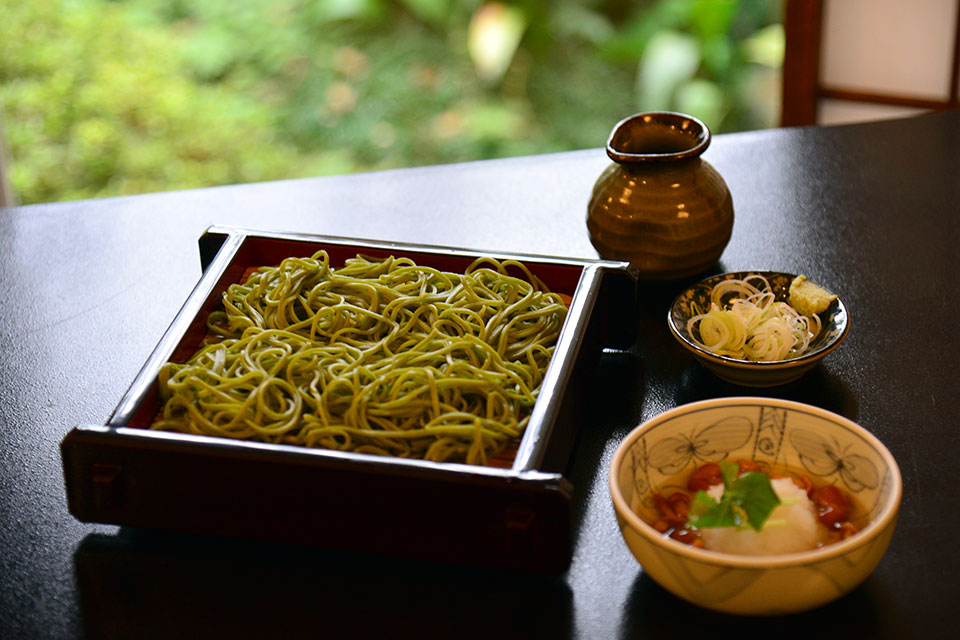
(660, 206)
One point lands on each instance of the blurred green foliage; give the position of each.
(104, 98)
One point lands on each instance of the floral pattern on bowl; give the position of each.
(696, 299)
(828, 447)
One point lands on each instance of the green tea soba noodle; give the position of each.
(383, 357)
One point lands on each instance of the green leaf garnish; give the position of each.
(746, 499)
(729, 472)
(707, 512)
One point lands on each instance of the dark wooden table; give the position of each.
(88, 288)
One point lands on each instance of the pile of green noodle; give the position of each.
(383, 357)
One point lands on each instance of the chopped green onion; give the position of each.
(746, 321)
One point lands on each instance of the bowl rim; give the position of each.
(875, 527)
(804, 358)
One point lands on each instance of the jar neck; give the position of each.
(657, 137)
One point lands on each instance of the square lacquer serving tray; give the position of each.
(513, 512)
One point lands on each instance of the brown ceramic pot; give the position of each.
(659, 205)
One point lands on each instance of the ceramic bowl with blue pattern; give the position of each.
(783, 436)
(695, 299)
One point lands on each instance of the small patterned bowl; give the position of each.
(827, 447)
(746, 372)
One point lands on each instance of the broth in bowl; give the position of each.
(747, 508)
